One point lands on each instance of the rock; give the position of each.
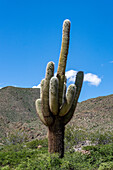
(39, 146)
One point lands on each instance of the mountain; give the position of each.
(18, 104)
(95, 114)
(17, 109)
(17, 112)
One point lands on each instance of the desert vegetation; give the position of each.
(82, 151)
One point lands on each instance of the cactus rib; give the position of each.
(45, 94)
(38, 104)
(53, 95)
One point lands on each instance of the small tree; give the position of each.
(56, 106)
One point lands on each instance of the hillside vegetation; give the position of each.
(23, 143)
(34, 155)
(17, 112)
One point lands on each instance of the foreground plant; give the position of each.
(56, 106)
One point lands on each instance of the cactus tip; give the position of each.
(51, 62)
(66, 23)
(67, 20)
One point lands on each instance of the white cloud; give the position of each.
(92, 79)
(38, 86)
(71, 75)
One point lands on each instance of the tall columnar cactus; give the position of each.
(56, 106)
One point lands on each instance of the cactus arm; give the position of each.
(38, 104)
(69, 100)
(53, 95)
(63, 58)
(45, 94)
(64, 48)
(78, 83)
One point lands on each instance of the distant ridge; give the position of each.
(17, 111)
(18, 104)
(95, 114)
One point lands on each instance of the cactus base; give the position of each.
(56, 137)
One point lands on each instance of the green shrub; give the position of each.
(100, 153)
(73, 137)
(101, 138)
(5, 167)
(12, 148)
(106, 166)
(35, 143)
(31, 159)
(28, 156)
(17, 136)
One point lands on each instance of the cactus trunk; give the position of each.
(56, 137)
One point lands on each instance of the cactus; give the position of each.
(56, 107)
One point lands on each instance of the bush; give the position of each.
(73, 137)
(6, 167)
(17, 136)
(20, 156)
(39, 159)
(101, 138)
(12, 148)
(106, 166)
(34, 143)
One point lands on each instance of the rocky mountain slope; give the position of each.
(18, 104)
(95, 114)
(17, 112)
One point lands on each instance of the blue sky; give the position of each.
(30, 37)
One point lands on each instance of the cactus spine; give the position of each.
(56, 107)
